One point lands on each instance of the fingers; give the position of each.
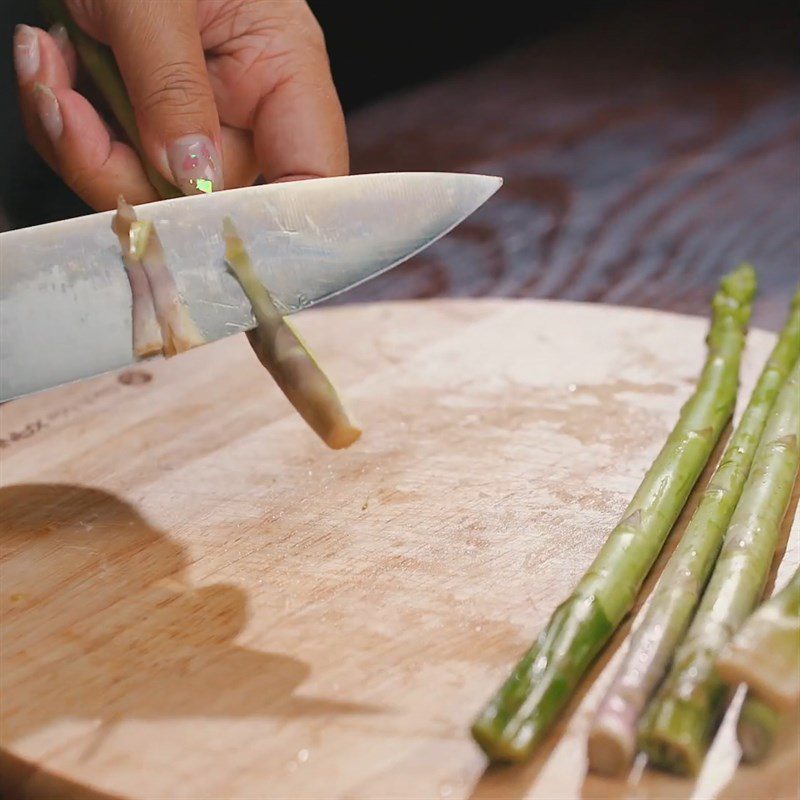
(299, 131)
(94, 166)
(67, 131)
(272, 74)
(238, 157)
(36, 61)
(158, 49)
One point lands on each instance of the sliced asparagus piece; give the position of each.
(281, 350)
(147, 340)
(178, 331)
(765, 653)
(612, 737)
(758, 723)
(543, 681)
(677, 728)
(177, 327)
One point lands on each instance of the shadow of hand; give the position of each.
(98, 622)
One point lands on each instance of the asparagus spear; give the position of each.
(765, 653)
(612, 738)
(518, 716)
(678, 726)
(281, 350)
(758, 723)
(99, 62)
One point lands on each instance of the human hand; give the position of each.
(232, 88)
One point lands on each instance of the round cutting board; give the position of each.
(199, 600)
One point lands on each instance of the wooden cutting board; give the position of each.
(200, 601)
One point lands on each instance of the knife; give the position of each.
(65, 300)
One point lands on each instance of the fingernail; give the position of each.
(60, 35)
(195, 164)
(48, 110)
(26, 52)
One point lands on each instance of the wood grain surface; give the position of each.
(643, 158)
(200, 601)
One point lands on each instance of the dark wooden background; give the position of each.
(646, 148)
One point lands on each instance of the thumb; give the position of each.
(158, 49)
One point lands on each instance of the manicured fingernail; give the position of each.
(48, 110)
(60, 35)
(26, 52)
(195, 164)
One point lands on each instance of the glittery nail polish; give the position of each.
(195, 164)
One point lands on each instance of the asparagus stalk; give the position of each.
(678, 726)
(612, 737)
(523, 709)
(98, 60)
(758, 723)
(281, 350)
(765, 653)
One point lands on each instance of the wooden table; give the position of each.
(642, 159)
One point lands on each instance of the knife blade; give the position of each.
(65, 301)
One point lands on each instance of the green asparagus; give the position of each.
(518, 716)
(677, 728)
(281, 350)
(765, 653)
(612, 738)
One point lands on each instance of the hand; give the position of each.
(223, 90)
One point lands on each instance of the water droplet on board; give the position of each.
(572, 388)
(302, 756)
(445, 790)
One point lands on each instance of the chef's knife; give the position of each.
(65, 300)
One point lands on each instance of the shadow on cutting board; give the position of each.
(100, 623)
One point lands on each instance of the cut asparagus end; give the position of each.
(765, 653)
(504, 744)
(612, 740)
(675, 736)
(756, 729)
(285, 355)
